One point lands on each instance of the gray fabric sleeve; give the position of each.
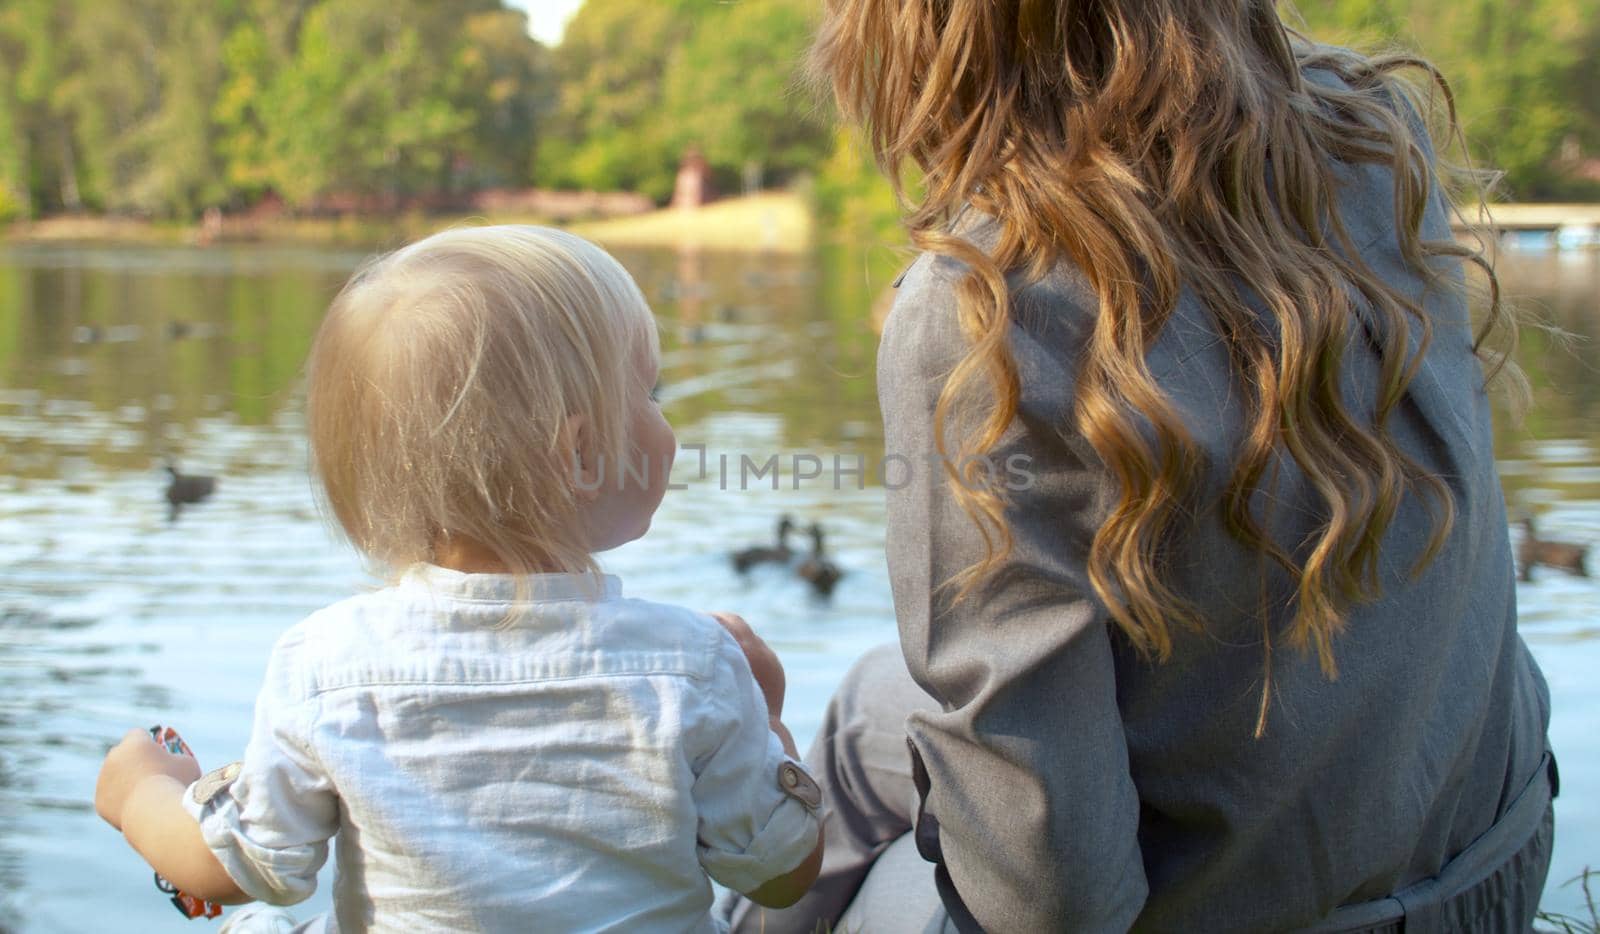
(1027, 764)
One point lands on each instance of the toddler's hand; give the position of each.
(130, 762)
(764, 662)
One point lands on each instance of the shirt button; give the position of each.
(795, 783)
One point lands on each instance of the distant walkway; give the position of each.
(1541, 216)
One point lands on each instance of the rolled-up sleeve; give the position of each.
(1026, 764)
(270, 824)
(750, 830)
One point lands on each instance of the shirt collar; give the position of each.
(513, 588)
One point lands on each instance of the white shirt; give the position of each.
(496, 759)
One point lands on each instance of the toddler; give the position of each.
(500, 740)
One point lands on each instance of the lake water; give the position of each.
(114, 614)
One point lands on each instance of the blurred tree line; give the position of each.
(641, 83)
(168, 107)
(1525, 75)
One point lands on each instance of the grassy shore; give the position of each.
(87, 228)
(771, 222)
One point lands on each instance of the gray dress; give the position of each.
(1071, 785)
(1077, 786)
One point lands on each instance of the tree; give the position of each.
(1517, 71)
(363, 103)
(113, 86)
(178, 169)
(39, 157)
(507, 81)
(167, 107)
(733, 90)
(15, 199)
(609, 131)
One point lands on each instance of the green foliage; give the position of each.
(107, 105)
(733, 90)
(170, 107)
(241, 107)
(608, 131)
(13, 174)
(361, 106)
(1526, 77)
(507, 82)
(1526, 83)
(640, 84)
(851, 196)
(175, 165)
(31, 33)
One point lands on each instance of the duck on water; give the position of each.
(1533, 550)
(779, 553)
(186, 490)
(816, 570)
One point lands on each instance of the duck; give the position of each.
(816, 569)
(781, 553)
(1564, 555)
(179, 330)
(115, 334)
(187, 489)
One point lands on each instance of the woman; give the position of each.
(1241, 655)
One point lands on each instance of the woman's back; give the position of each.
(1241, 648)
(1356, 786)
(1437, 718)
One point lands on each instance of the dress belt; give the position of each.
(1419, 906)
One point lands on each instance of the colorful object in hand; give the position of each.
(190, 906)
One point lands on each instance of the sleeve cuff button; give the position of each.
(795, 783)
(211, 783)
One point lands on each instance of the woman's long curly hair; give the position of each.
(1131, 138)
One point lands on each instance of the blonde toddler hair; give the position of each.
(441, 385)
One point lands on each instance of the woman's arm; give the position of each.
(1027, 762)
(140, 792)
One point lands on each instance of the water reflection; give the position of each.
(115, 361)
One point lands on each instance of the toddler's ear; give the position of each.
(587, 469)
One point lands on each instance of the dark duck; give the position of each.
(780, 553)
(1552, 554)
(186, 490)
(816, 569)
